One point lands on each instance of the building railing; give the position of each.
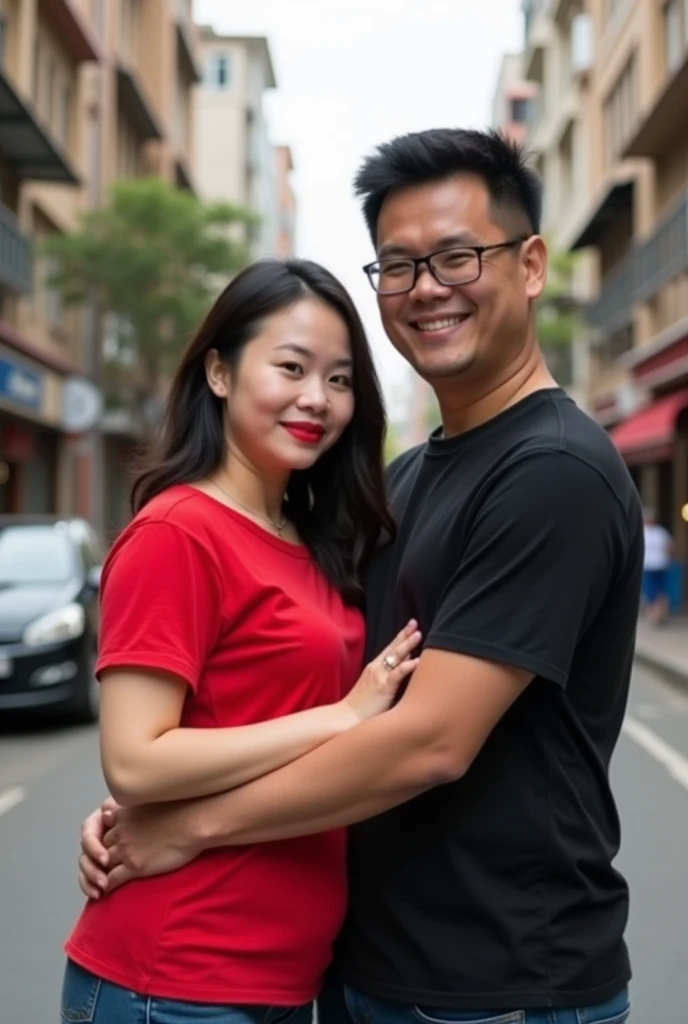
(649, 266)
(16, 254)
(665, 253)
(612, 308)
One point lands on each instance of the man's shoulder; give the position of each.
(571, 440)
(407, 461)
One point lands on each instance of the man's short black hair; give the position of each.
(439, 153)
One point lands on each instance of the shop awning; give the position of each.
(649, 434)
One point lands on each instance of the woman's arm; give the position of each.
(147, 757)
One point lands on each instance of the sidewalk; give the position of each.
(665, 648)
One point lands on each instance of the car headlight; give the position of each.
(64, 624)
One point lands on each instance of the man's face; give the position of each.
(481, 328)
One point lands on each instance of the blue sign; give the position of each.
(20, 386)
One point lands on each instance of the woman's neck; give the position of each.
(256, 493)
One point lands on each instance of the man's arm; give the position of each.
(536, 566)
(431, 737)
(535, 569)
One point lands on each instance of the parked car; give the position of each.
(49, 579)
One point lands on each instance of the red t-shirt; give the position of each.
(249, 622)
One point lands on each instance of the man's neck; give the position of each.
(464, 408)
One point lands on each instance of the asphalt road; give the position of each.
(49, 778)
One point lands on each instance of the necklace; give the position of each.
(277, 526)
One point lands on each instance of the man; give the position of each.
(482, 885)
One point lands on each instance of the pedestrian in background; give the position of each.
(658, 550)
(481, 857)
(231, 642)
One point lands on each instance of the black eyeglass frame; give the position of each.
(418, 262)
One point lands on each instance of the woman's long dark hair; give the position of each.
(338, 505)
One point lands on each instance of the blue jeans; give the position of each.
(340, 1004)
(87, 999)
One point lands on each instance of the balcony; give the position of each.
(667, 119)
(70, 26)
(665, 254)
(15, 255)
(24, 146)
(613, 307)
(132, 98)
(187, 43)
(615, 201)
(538, 34)
(649, 266)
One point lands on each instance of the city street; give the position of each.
(50, 777)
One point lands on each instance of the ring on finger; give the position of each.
(390, 662)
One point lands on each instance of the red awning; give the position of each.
(653, 427)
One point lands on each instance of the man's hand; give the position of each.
(94, 859)
(148, 840)
(119, 844)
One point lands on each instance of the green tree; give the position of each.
(558, 316)
(154, 257)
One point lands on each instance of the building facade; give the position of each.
(636, 227)
(285, 236)
(145, 84)
(236, 162)
(90, 91)
(557, 59)
(45, 49)
(514, 99)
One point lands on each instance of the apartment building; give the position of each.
(636, 224)
(148, 71)
(90, 91)
(514, 99)
(556, 61)
(285, 236)
(234, 156)
(45, 133)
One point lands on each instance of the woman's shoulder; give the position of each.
(180, 513)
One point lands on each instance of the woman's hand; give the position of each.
(379, 683)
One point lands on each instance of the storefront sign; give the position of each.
(20, 386)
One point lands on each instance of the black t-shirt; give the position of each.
(520, 541)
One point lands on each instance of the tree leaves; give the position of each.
(156, 257)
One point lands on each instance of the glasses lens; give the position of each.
(392, 276)
(456, 266)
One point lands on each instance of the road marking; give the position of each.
(676, 764)
(9, 798)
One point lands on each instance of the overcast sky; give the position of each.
(353, 73)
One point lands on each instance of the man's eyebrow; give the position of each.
(394, 249)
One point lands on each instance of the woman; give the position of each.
(231, 640)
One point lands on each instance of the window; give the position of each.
(620, 112)
(520, 110)
(37, 58)
(673, 36)
(64, 117)
(218, 71)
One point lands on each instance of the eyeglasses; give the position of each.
(449, 267)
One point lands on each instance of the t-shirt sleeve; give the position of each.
(543, 548)
(161, 602)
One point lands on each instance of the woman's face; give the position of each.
(290, 397)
